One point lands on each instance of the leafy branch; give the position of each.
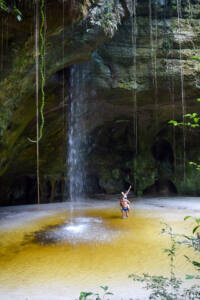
(106, 14)
(95, 296)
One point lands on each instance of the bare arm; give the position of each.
(128, 190)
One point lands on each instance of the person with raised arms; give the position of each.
(125, 203)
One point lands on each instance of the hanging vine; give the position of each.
(42, 72)
(42, 53)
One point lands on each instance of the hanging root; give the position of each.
(42, 50)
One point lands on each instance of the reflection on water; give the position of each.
(96, 248)
(78, 230)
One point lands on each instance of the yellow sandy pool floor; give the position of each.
(51, 257)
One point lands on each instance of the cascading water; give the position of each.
(76, 137)
(179, 15)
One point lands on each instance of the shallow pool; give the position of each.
(59, 250)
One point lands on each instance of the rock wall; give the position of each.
(136, 83)
(133, 90)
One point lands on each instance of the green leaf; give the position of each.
(88, 294)
(189, 277)
(195, 57)
(195, 229)
(84, 295)
(187, 217)
(197, 220)
(109, 293)
(198, 99)
(175, 123)
(196, 263)
(105, 288)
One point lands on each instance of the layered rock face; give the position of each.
(133, 85)
(136, 83)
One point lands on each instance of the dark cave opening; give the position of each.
(162, 151)
(161, 187)
(164, 157)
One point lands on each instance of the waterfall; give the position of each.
(76, 134)
(179, 15)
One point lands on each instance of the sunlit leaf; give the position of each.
(195, 229)
(196, 58)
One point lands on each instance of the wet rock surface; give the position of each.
(132, 93)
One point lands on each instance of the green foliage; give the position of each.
(161, 287)
(194, 118)
(96, 296)
(14, 10)
(3, 5)
(107, 14)
(197, 58)
(172, 251)
(172, 288)
(195, 164)
(84, 295)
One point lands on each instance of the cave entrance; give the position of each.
(162, 151)
(161, 187)
(163, 154)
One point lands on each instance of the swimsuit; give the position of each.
(125, 208)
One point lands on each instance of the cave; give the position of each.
(162, 151)
(163, 155)
(161, 187)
